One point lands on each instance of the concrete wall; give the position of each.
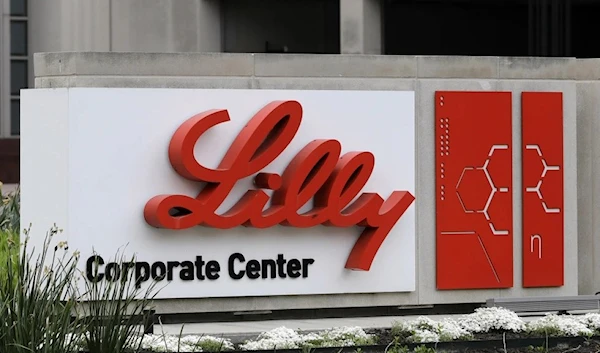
(575, 78)
(304, 26)
(361, 27)
(126, 25)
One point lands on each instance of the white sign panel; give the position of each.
(225, 193)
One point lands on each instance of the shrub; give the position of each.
(424, 329)
(492, 319)
(554, 325)
(114, 312)
(36, 302)
(10, 216)
(42, 309)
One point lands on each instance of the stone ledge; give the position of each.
(144, 82)
(382, 66)
(297, 83)
(307, 65)
(538, 68)
(457, 67)
(146, 64)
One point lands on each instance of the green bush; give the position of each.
(41, 306)
(10, 216)
(36, 302)
(114, 312)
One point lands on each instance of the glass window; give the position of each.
(15, 113)
(18, 38)
(18, 7)
(18, 76)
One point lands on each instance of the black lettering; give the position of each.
(253, 268)
(212, 270)
(232, 258)
(155, 269)
(113, 272)
(139, 276)
(280, 262)
(199, 267)
(170, 266)
(305, 263)
(187, 271)
(293, 268)
(126, 267)
(265, 265)
(92, 275)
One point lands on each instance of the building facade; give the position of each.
(390, 27)
(385, 45)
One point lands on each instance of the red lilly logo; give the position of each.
(318, 171)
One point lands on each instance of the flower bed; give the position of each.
(485, 329)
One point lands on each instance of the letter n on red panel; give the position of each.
(543, 232)
(474, 248)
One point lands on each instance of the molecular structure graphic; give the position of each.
(537, 188)
(478, 208)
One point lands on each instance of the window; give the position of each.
(19, 61)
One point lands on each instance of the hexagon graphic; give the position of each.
(537, 188)
(476, 189)
(473, 189)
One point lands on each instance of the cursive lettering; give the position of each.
(317, 172)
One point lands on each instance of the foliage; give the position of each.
(423, 329)
(9, 254)
(187, 343)
(395, 347)
(486, 320)
(10, 216)
(424, 349)
(42, 309)
(492, 319)
(555, 325)
(114, 311)
(37, 301)
(285, 338)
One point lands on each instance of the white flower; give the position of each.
(424, 329)
(591, 321)
(188, 343)
(423, 336)
(565, 325)
(345, 336)
(285, 338)
(221, 343)
(279, 338)
(494, 318)
(449, 329)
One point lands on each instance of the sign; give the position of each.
(543, 185)
(317, 171)
(223, 193)
(474, 204)
(474, 190)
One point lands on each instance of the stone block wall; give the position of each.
(577, 79)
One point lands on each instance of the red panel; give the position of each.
(474, 233)
(543, 231)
